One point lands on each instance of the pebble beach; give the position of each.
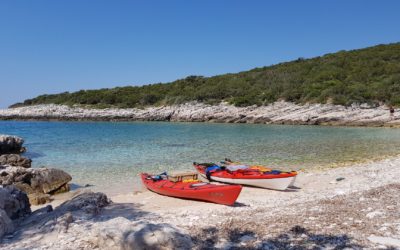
(355, 207)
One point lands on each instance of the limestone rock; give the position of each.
(38, 198)
(155, 236)
(88, 202)
(15, 160)
(64, 188)
(110, 234)
(10, 144)
(49, 180)
(38, 183)
(387, 241)
(280, 112)
(37, 180)
(6, 225)
(14, 202)
(64, 221)
(25, 187)
(120, 233)
(11, 175)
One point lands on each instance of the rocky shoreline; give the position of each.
(15, 170)
(277, 113)
(22, 186)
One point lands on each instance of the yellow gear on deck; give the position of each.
(190, 180)
(260, 168)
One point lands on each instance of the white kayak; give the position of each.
(277, 183)
(271, 180)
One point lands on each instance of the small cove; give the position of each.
(110, 155)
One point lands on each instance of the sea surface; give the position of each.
(109, 156)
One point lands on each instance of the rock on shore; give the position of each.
(277, 113)
(14, 204)
(83, 223)
(121, 233)
(38, 183)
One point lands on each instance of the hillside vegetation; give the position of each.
(369, 75)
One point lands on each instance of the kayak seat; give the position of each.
(210, 170)
(275, 172)
(158, 177)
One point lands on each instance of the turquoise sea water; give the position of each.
(111, 155)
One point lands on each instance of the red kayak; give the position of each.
(196, 190)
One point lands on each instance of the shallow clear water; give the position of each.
(111, 155)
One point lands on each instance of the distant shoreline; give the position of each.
(277, 113)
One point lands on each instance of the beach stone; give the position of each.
(88, 202)
(15, 160)
(247, 238)
(110, 234)
(14, 202)
(156, 236)
(224, 244)
(387, 241)
(38, 198)
(374, 214)
(120, 233)
(11, 144)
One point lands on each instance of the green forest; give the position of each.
(370, 75)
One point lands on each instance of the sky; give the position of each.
(49, 46)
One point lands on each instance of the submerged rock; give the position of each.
(10, 144)
(15, 160)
